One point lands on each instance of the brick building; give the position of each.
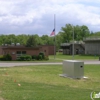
(18, 50)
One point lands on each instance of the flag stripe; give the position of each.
(53, 32)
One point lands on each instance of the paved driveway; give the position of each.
(5, 64)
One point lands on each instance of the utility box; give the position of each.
(73, 69)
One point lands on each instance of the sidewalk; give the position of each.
(12, 64)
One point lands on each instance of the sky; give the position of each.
(37, 16)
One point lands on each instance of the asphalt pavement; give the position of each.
(13, 64)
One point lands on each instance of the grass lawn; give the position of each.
(60, 57)
(44, 83)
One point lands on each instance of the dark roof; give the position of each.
(91, 39)
(65, 44)
(19, 47)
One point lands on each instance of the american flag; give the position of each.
(53, 32)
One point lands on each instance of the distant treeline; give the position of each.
(65, 35)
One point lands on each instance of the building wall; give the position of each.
(13, 52)
(92, 47)
(66, 51)
(78, 49)
(50, 49)
(1, 51)
(44, 49)
(30, 51)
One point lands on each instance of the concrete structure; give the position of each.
(92, 46)
(18, 50)
(79, 48)
(73, 69)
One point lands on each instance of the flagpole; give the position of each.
(54, 36)
(73, 42)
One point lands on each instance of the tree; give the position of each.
(66, 32)
(96, 34)
(11, 38)
(47, 40)
(2, 39)
(31, 42)
(38, 40)
(58, 41)
(79, 32)
(22, 39)
(44, 39)
(84, 32)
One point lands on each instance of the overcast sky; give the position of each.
(37, 16)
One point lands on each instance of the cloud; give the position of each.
(31, 17)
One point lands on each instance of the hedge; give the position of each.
(6, 57)
(25, 58)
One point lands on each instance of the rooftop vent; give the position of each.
(17, 44)
(12, 44)
(6, 44)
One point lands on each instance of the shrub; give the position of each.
(18, 59)
(40, 57)
(37, 57)
(46, 58)
(28, 57)
(34, 57)
(42, 54)
(22, 58)
(1, 58)
(6, 57)
(25, 58)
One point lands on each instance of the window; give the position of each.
(18, 52)
(23, 52)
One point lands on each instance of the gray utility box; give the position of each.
(73, 68)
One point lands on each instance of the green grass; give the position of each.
(44, 83)
(60, 57)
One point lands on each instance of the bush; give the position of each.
(8, 57)
(46, 58)
(22, 57)
(34, 57)
(1, 58)
(42, 54)
(25, 58)
(39, 57)
(28, 57)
